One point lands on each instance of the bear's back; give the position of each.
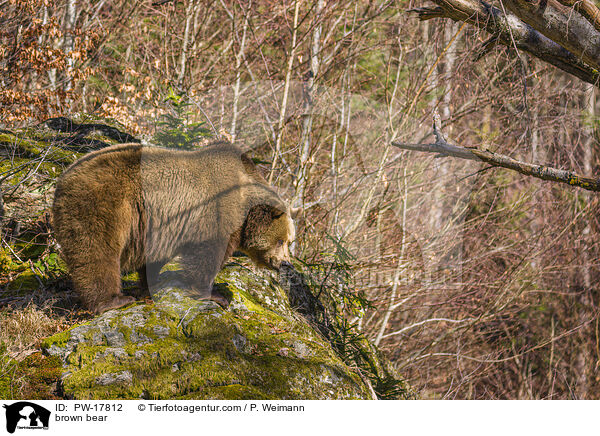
(216, 179)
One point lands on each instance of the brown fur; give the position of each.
(131, 207)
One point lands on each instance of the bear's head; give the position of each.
(266, 235)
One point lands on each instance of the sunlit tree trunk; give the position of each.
(445, 73)
(286, 89)
(190, 11)
(584, 363)
(308, 105)
(68, 43)
(239, 57)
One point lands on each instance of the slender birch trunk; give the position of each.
(303, 167)
(400, 272)
(584, 360)
(239, 57)
(68, 41)
(286, 88)
(183, 59)
(441, 165)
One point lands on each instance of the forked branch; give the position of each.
(442, 148)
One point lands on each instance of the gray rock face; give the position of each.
(122, 377)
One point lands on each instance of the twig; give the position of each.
(12, 251)
(35, 274)
(368, 383)
(215, 131)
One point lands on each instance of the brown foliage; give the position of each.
(38, 68)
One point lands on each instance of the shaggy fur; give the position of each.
(133, 208)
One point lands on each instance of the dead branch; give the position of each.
(511, 31)
(586, 8)
(65, 125)
(562, 25)
(442, 148)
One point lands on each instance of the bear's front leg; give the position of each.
(201, 263)
(99, 284)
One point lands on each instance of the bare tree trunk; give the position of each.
(440, 165)
(508, 29)
(450, 30)
(189, 15)
(583, 364)
(239, 57)
(562, 25)
(70, 20)
(52, 71)
(343, 128)
(286, 89)
(303, 165)
(588, 165)
(400, 272)
(537, 155)
(587, 8)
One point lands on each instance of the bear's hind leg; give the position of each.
(149, 274)
(99, 285)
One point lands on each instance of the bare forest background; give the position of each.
(483, 282)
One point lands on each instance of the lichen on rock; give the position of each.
(179, 347)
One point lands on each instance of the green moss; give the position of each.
(131, 277)
(22, 278)
(60, 339)
(30, 143)
(26, 281)
(26, 147)
(6, 262)
(230, 392)
(40, 375)
(34, 377)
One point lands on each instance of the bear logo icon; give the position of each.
(27, 415)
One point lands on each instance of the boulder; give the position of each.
(177, 347)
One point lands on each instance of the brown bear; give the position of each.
(133, 208)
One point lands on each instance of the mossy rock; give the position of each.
(33, 378)
(52, 146)
(182, 348)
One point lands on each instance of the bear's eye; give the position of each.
(280, 243)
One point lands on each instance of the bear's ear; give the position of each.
(295, 211)
(275, 212)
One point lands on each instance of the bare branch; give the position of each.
(443, 148)
(429, 13)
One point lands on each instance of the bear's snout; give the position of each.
(274, 263)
